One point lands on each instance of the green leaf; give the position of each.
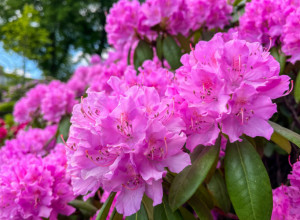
(236, 2)
(205, 196)
(188, 181)
(297, 89)
(148, 204)
(63, 129)
(186, 214)
(247, 182)
(79, 204)
(140, 215)
(163, 211)
(159, 47)
(115, 215)
(142, 52)
(281, 142)
(106, 207)
(184, 42)
(218, 189)
(129, 56)
(287, 133)
(172, 52)
(200, 208)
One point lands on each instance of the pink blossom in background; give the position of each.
(79, 81)
(291, 36)
(49, 101)
(58, 101)
(210, 14)
(123, 143)
(34, 187)
(124, 23)
(172, 16)
(95, 59)
(35, 141)
(281, 204)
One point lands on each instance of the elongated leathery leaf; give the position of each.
(142, 52)
(287, 133)
(163, 211)
(187, 182)
(172, 52)
(106, 207)
(218, 189)
(247, 182)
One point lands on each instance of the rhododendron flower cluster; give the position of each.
(129, 21)
(291, 36)
(34, 187)
(276, 19)
(34, 140)
(50, 101)
(228, 87)
(210, 14)
(286, 199)
(123, 143)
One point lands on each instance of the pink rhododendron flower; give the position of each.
(49, 101)
(227, 86)
(291, 36)
(172, 16)
(210, 14)
(95, 59)
(281, 204)
(264, 19)
(58, 101)
(33, 141)
(79, 81)
(123, 143)
(35, 188)
(124, 23)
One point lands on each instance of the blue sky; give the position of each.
(14, 62)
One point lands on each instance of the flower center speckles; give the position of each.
(124, 126)
(244, 115)
(157, 150)
(104, 157)
(199, 123)
(133, 183)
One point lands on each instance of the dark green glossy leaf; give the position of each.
(247, 182)
(63, 129)
(187, 182)
(187, 215)
(163, 211)
(236, 2)
(140, 215)
(159, 47)
(148, 204)
(142, 52)
(106, 207)
(79, 204)
(172, 52)
(200, 208)
(287, 133)
(297, 89)
(282, 142)
(129, 56)
(115, 215)
(218, 189)
(184, 42)
(205, 196)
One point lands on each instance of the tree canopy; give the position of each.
(66, 25)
